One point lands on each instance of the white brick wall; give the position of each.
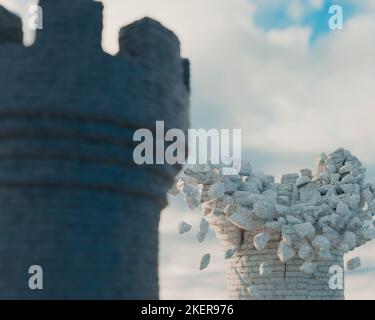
(284, 281)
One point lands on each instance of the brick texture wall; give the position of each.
(285, 282)
(71, 198)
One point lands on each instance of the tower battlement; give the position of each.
(148, 39)
(10, 27)
(80, 23)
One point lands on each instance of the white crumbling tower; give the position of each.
(285, 240)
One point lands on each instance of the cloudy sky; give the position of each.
(274, 69)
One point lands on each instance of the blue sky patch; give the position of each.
(281, 14)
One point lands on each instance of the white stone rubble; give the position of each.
(301, 181)
(285, 252)
(205, 261)
(265, 268)
(241, 220)
(216, 190)
(305, 251)
(353, 263)
(308, 267)
(261, 241)
(327, 211)
(305, 230)
(183, 227)
(230, 253)
(203, 230)
(201, 236)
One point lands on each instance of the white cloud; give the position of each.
(285, 99)
(295, 10)
(317, 4)
(295, 38)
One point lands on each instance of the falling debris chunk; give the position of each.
(216, 190)
(242, 198)
(264, 210)
(230, 253)
(203, 230)
(325, 255)
(285, 252)
(184, 227)
(293, 220)
(198, 168)
(301, 181)
(305, 230)
(241, 220)
(201, 236)
(261, 241)
(205, 261)
(192, 194)
(283, 200)
(350, 239)
(305, 251)
(321, 243)
(353, 263)
(369, 233)
(343, 209)
(204, 226)
(308, 267)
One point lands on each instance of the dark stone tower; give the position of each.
(71, 198)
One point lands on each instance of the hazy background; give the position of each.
(275, 70)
